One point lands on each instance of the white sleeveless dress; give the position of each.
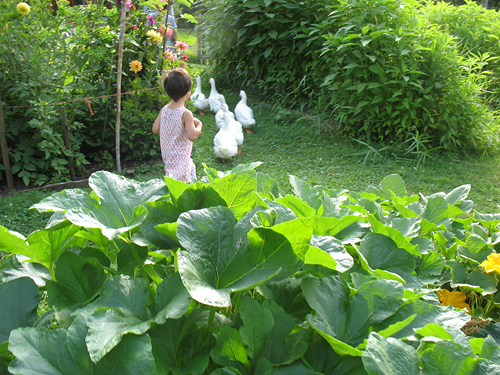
(175, 145)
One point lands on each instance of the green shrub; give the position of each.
(478, 35)
(374, 67)
(392, 75)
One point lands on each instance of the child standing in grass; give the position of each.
(177, 127)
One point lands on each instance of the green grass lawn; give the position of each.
(289, 146)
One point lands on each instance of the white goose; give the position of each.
(244, 114)
(235, 128)
(201, 103)
(197, 90)
(213, 98)
(219, 116)
(225, 145)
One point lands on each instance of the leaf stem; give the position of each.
(211, 317)
(140, 265)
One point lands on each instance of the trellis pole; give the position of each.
(123, 10)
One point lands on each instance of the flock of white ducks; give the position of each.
(229, 138)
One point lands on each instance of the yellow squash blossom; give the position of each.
(135, 66)
(154, 37)
(492, 264)
(23, 8)
(456, 299)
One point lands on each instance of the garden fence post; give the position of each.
(67, 141)
(123, 9)
(5, 150)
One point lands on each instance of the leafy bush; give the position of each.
(227, 276)
(376, 68)
(393, 76)
(478, 34)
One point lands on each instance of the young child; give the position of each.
(177, 127)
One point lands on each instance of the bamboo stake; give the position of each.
(67, 141)
(123, 10)
(5, 150)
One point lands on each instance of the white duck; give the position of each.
(219, 116)
(235, 128)
(213, 98)
(201, 103)
(244, 114)
(197, 89)
(225, 145)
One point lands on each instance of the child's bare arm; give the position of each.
(156, 125)
(192, 125)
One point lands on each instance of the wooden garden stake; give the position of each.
(5, 150)
(67, 141)
(123, 10)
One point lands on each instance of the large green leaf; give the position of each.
(64, 201)
(288, 295)
(400, 240)
(159, 212)
(238, 191)
(393, 185)
(329, 252)
(230, 351)
(181, 346)
(42, 246)
(42, 352)
(344, 321)
(426, 313)
(15, 266)
(381, 252)
(107, 328)
(19, 299)
(120, 309)
(172, 299)
(297, 205)
(132, 356)
(60, 352)
(221, 256)
(390, 357)
(266, 332)
(118, 208)
(79, 281)
(448, 357)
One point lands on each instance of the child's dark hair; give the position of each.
(177, 83)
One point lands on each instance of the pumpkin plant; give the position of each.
(228, 276)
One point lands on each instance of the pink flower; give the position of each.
(172, 58)
(169, 32)
(168, 55)
(151, 20)
(129, 4)
(182, 65)
(181, 45)
(184, 56)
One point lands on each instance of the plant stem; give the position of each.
(140, 265)
(211, 317)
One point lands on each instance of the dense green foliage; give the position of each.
(377, 69)
(478, 34)
(64, 58)
(229, 276)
